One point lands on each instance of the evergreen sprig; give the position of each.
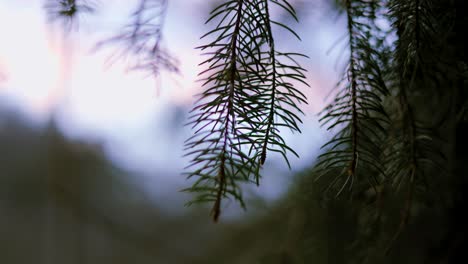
(387, 71)
(415, 147)
(68, 11)
(250, 96)
(141, 40)
(357, 112)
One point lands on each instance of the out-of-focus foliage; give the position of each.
(68, 12)
(63, 202)
(399, 152)
(140, 42)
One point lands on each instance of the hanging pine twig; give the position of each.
(249, 96)
(68, 12)
(141, 41)
(357, 111)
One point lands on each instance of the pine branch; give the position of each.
(68, 11)
(278, 95)
(354, 121)
(415, 147)
(357, 111)
(235, 118)
(141, 41)
(273, 90)
(229, 113)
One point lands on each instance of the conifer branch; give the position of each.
(354, 125)
(68, 11)
(357, 111)
(229, 113)
(236, 116)
(414, 151)
(141, 41)
(273, 90)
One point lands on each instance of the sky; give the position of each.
(139, 120)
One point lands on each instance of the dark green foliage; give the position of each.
(357, 113)
(395, 140)
(249, 97)
(382, 140)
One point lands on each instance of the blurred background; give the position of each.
(91, 153)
